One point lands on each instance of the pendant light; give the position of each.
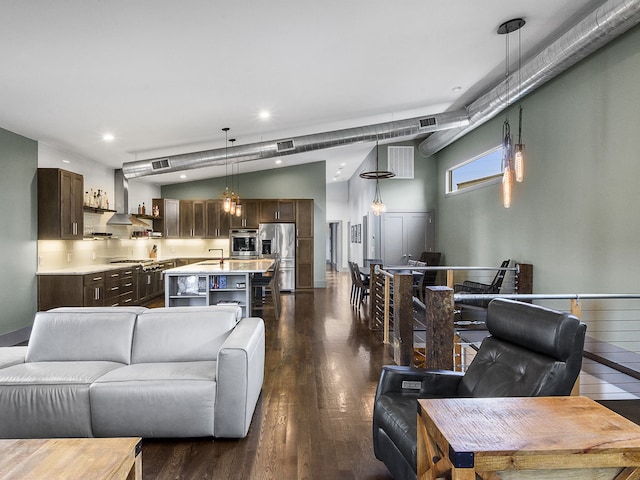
(377, 205)
(508, 164)
(238, 204)
(234, 197)
(519, 149)
(226, 196)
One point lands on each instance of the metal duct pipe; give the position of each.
(596, 30)
(289, 146)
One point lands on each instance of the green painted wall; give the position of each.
(575, 218)
(303, 181)
(18, 242)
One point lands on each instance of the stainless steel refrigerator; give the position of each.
(280, 239)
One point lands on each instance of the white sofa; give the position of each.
(131, 371)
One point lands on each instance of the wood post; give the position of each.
(524, 278)
(402, 342)
(440, 332)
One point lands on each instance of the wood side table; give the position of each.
(71, 459)
(525, 438)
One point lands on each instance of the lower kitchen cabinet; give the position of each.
(71, 290)
(115, 287)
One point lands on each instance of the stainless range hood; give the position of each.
(121, 200)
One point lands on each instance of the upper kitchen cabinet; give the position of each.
(304, 218)
(60, 196)
(250, 215)
(192, 218)
(277, 211)
(217, 221)
(168, 223)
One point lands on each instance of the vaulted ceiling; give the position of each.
(164, 77)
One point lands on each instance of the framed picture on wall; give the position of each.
(353, 233)
(359, 233)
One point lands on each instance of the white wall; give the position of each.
(337, 199)
(96, 175)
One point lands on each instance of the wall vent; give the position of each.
(428, 122)
(285, 145)
(160, 164)
(400, 161)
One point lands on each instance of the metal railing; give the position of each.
(613, 319)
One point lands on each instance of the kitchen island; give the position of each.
(210, 283)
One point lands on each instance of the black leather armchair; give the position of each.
(531, 351)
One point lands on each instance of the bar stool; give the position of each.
(266, 288)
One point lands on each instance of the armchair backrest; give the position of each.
(496, 284)
(531, 351)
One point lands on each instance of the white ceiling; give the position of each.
(164, 76)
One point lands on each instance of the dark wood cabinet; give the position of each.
(250, 215)
(304, 263)
(277, 211)
(217, 221)
(304, 244)
(192, 218)
(168, 223)
(304, 218)
(60, 197)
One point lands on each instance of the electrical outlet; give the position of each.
(68, 258)
(39, 261)
(93, 255)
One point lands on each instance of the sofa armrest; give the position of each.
(240, 373)
(12, 356)
(429, 382)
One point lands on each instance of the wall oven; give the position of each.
(243, 243)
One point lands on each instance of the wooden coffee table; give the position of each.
(71, 459)
(525, 438)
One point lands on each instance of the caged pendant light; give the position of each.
(377, 205)
(512, 168)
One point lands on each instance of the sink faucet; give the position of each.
(221, 254)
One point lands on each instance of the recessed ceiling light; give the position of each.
(456, 89)
(66, 161)
(108, 137)
(183, 176)
(278, 162)
(342, 164)
(264, 114)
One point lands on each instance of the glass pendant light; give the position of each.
(234, 199)
(378, 206)
(238, 204)
(509, 165)
(226, 196)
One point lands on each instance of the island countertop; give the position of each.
(229, 266)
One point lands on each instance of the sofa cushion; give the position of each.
(182, 334)
(155, 400)
(48, 399)
(82, 336)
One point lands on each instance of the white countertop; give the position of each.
(230, 266)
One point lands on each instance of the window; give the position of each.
(479, 171)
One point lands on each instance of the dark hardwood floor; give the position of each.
(313, 418)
